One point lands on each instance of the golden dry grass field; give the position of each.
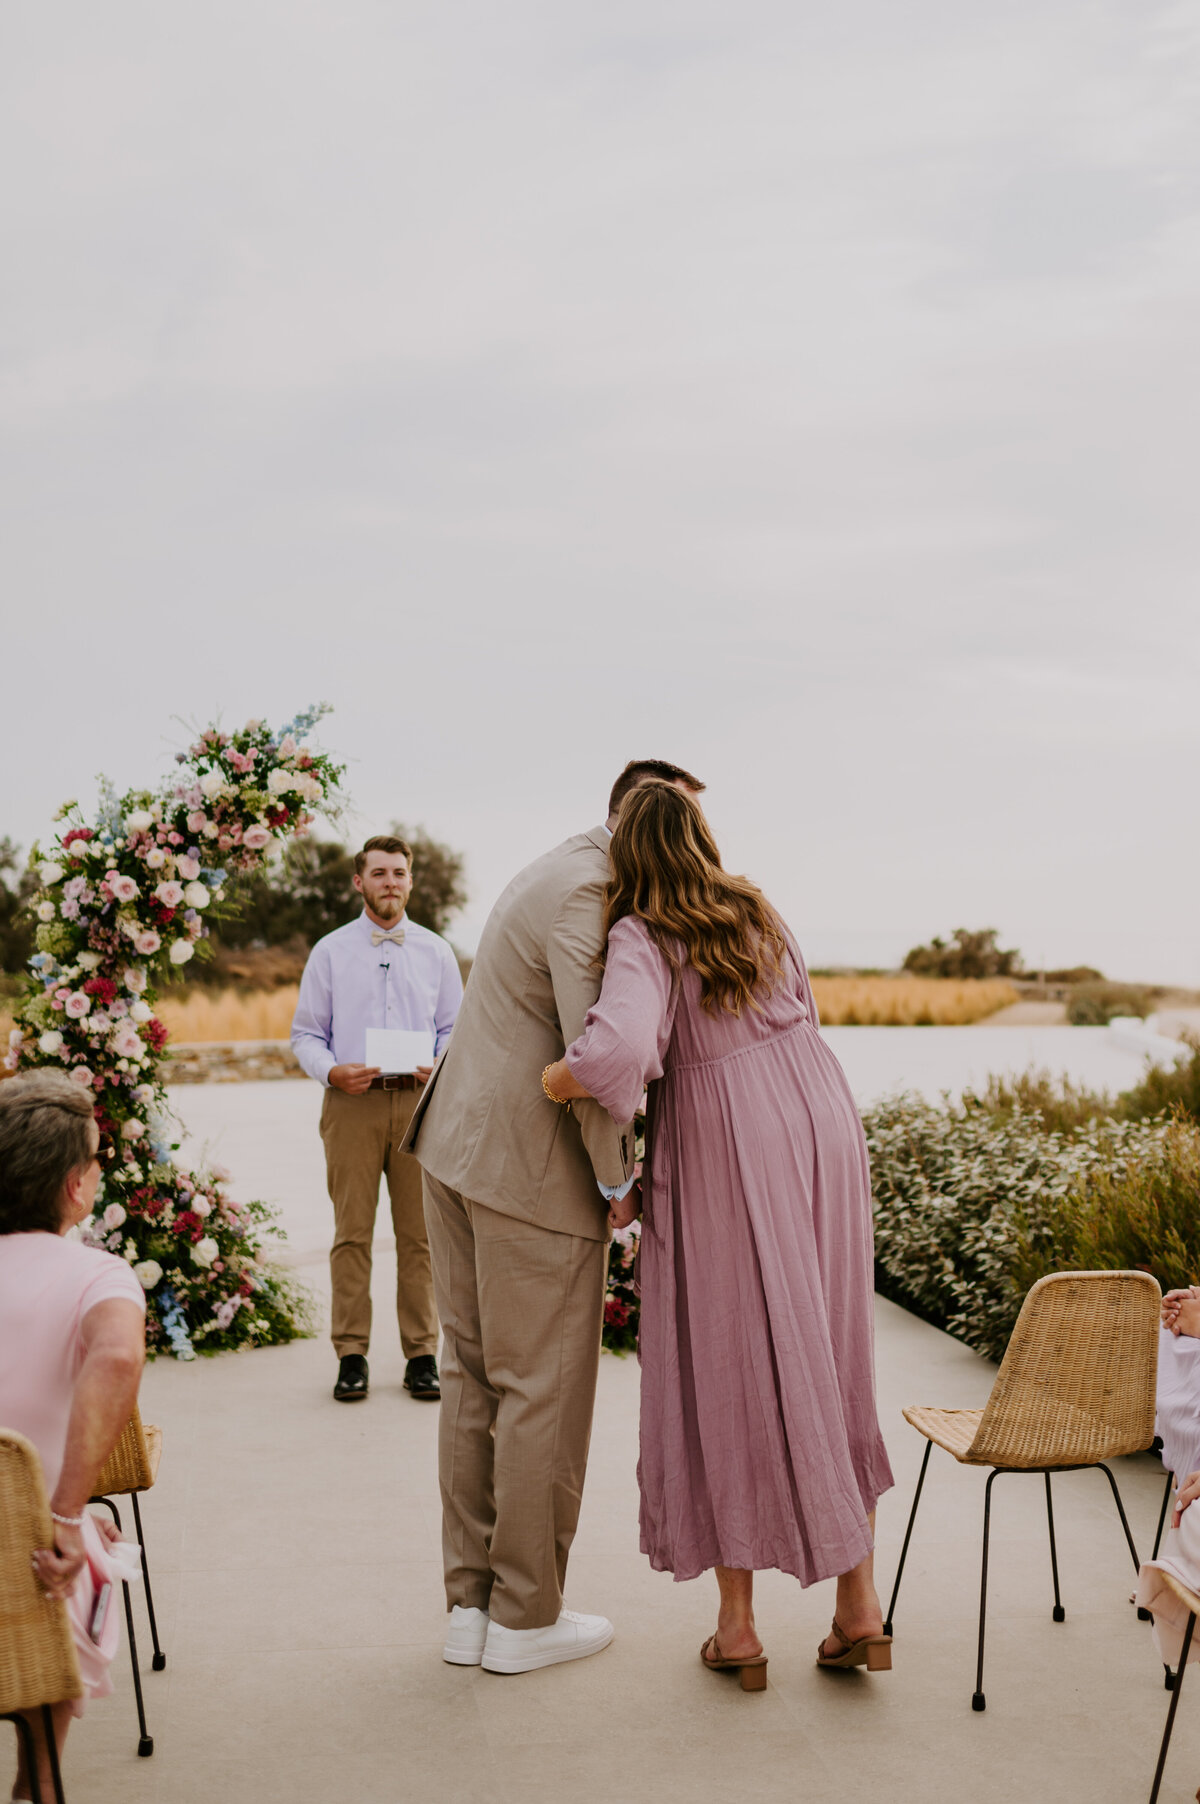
(909, 1001)
(842, 1001)
(229, 1014)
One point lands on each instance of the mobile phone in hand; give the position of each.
(100, 1612)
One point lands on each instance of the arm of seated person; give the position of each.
(106, 1389)
(1186, 1494)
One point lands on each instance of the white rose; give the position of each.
(88, 960)
(132, 1129)
(135, 979)
(113, 1216)
(139, 822)
(213, 784)
(181, 951)
(156, 858)
(205, 1251)
(46, 911)
(280, 781)
(148, 1272)
(50, 1042)
(201, 1207)
(50, 873)
(310, 788)
(196, 895)
(141, 1011)
(211, 830)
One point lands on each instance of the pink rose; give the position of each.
(169, 894)
(78, 1004)
(127, 1042)
(254, 838)
(197, 821)
(188, 868)
(79, 1074)
(146, 942)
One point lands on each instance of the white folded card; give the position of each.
(395, 1049)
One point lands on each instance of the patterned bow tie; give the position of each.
(394, 938)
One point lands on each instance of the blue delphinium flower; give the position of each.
(174, 1324)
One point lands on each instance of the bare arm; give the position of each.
(114, 1339)
(563, 1081)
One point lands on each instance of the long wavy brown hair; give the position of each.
(667, 871)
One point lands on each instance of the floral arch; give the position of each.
(124, 899)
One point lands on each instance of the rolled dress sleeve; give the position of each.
(627, 1030)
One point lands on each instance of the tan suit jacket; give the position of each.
(484, 1127)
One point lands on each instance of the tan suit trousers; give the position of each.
(522, 1310)
(361, 1135)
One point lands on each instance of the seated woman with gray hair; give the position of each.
(72, 1345)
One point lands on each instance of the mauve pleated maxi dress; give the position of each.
(760, 1443)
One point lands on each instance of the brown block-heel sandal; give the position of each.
(873, 1651)
(753, 1671)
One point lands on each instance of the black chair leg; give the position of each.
(887, 1627)
(1060, 1615)
(1147, 1615)
(52, 1753)
(978, 1701)
(145, 1739)
(1133, 1552)
(1174, 1705)
(160, 1659)
(1162, 1514)
(24, 1730)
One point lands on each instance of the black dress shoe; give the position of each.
(352, 1378)
(421, 1378)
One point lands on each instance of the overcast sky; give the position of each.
(804, 393)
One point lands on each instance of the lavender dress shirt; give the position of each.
(350, 985)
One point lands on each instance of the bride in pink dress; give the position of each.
(760, 1443)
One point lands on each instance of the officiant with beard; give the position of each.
(381, 970)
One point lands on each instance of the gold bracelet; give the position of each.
(564, 1102)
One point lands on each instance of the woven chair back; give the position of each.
(37, 1653)
(128, 1466)
(1076, 1384)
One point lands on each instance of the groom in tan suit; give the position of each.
(515, 1206)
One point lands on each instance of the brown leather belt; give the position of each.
(398, 1080)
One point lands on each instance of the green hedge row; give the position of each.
(974, 1201)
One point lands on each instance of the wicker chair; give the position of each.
(1075, 1387)
(132, 1466)
(38, 1667)
(1175, 1685)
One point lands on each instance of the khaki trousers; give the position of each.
(361, 1134)
(522, 1310)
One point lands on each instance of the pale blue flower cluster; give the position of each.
(172, 1318)
(303, 722)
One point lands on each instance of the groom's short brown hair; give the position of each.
(641, 770)
(382, 842)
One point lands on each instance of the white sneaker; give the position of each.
(468, 1632)
(572, 1637)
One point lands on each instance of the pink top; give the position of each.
(47, 1286)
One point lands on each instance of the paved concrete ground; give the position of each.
(295, 1549)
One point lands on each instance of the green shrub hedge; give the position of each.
(976, 1200)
